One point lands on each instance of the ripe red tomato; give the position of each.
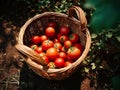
(63, 38)
(46, 59)
(69, 59)
(74, 53)
(56, 40)
(59, 62)
(67, 44)
(39, 49)
(74, 37)
(67, 63)
(43, 38)
(79, 46)
(63, 55)
(63, 49)
(57, 46)
(34, 47)
(51, 65)
(52, 53)
(52, 24)
(50, 32)
(64, 30)
(35, 39)
(47, 44)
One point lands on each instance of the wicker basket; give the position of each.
(37, 24)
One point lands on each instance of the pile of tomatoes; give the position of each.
(58, 47)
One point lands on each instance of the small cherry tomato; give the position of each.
(50, 32)
(69, 59)
(74, 37)
(52, 24)
(74, 53)
(79, 46)
(63, 55)
(67, 63)
(56, 40)
(52, 53)
(67, 44)
(64, 30)
(35, 39)
(63, 49)
(46, 59)
(51, 65)
(39, 49)
(63, 38)
(47, 44)
(43, 38)
(59, 62)
(57, 46)
(34, 47)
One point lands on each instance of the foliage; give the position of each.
(21, 10)
(106, 42)
(51, 5)
(103, 59)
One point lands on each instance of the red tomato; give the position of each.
(63, 49)
(67, 44)
(63, 55)
(47, 44)
(79, 46)
(35, 39)
(39, 49)
(74, 53)
(58, 46)
(63, 38)
(64, 30)
(43, 38)
(59, 62)
(52, 53)
(34, 47)
(45, 58)
(67, 63)
(56, 40)
(50, 32)
(52, 24)
(74, 37)
(51, 65)
(69, 59)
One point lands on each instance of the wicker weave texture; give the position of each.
(37, 25)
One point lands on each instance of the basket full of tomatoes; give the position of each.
(54, 44)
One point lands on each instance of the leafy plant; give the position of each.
(103, 57)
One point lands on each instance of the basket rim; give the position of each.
(78, 61)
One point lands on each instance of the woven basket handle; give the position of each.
(30, 53)
(80, 14)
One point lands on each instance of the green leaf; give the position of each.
(93, 35)
(86, 69)
(93, 66)
(98, 44)
(109, 35)
(118, 38)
